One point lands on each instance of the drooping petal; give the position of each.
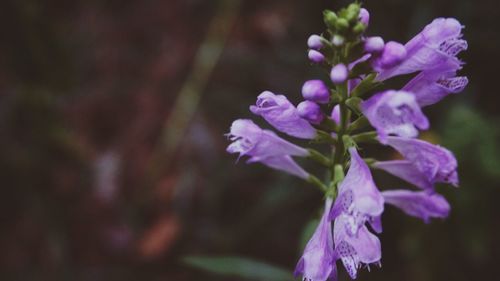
(281, 114)
(266, 147)
(249, 139)
(283, 163)
(355, 250)
(436, 163)
(420, 204)
(438, 43)
(429, 87)
(395, 113)
(318, 261)
(405, 170)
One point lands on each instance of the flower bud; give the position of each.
(316, 91)
(315, 42)
(352, 12)
(316, 56)
(364, 16)
(339, 74)
(374, 44)
(330, 19)
(310, 111)
(393, 54)
(338, 40)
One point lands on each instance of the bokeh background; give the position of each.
(112, 147)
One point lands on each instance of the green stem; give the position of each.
(317, 182)
(319, 157)
(366, 137)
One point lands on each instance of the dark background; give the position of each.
(112, 154)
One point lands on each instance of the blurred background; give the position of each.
(112, 147)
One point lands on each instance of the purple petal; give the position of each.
(407, 171)
(249, 139)
(419, 204)
(354, 250)
(358, 192)
(429, 87)
(318, 261)
(316, 91)
(281, 114)
(436, 163)
(310, 111)
(437, 44)
(395, 113)
(283, 163)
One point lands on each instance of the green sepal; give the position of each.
(360, 123)
(365, 85)
(354, 103)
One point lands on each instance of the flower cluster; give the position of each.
(335, 114)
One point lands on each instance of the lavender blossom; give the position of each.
(266, 147)
(433, 162)
(318, 261)
(335, 115)
(315, 42)
(315, 56)
(310, 111)
(364, 16)
(355, 250)
(392, 55)
(359, 198)
(282, 115)
(407, 171)
(316, 91)
(419, 204)
(339, 73)
(374, 44)
(429, 87)
(395, 113)
(438, 43)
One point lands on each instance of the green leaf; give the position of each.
(239, 267)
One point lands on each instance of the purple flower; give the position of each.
(335, 115)
(310, 111)
(282, 115)
(392, 54)
(407, 171)
(433, 162)
(364, 16)
(374, 44)
(395, 113)
(355, 250)
(339, 73)
(266, 147)
(359, 199)
(316, 91)
(315, 56)
(420, 204)
(438, 43)
(429, 87)
(318, 261)
(315, 42)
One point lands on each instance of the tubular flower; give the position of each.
(282, 115)
(429, 87)
(266, 147)
(318, 261)
(438, 43)
(358, 199)
(420, 204)
(395, 113)
(433, 162)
